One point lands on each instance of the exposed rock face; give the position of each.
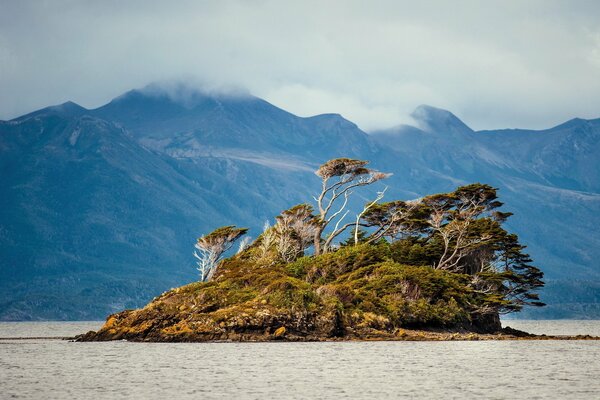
(266, 324)
(486, 323)
(262, 324)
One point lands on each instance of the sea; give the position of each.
(36, 363)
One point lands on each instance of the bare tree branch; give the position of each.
(350, 174)
(211, 247)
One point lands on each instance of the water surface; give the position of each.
(56, 369)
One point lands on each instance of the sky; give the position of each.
(495, 64)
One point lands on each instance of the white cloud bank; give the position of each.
(494, 63)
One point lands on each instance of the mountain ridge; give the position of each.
(146, 190)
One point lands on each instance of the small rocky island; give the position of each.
(441, 267)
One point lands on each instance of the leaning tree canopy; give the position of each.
(224, 234)
(342, 166)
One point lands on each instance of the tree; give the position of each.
(520, 278)
(265, 243)
(451, 218)
(338, 177)
(210, 248)
(461, 232)
(294, 231)
(395, 219)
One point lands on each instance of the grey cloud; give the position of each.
(494, 63)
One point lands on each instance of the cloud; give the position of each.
(495, 64)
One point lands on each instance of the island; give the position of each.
(440, 267)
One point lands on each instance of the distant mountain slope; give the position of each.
(565, 156)
(228, 121)
(79, 209)
(99, 209)
(549, 179)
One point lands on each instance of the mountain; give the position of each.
(99, 209)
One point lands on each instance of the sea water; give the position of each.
(44, 368)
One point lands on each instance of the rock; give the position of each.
(279, 332)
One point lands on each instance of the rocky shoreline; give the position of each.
(135, 326)
(401, 335)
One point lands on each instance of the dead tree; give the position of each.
(244, 244)
(266, 242)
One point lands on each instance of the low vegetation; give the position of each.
(441, 262)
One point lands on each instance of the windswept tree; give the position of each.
(506, 281)
(294, 231)
(519, 279)
(454, 220)
(461, 232)
(210, 248)
(395, 220)
(339, 176)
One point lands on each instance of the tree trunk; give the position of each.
(317, 241)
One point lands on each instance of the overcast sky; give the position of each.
(529, 64)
